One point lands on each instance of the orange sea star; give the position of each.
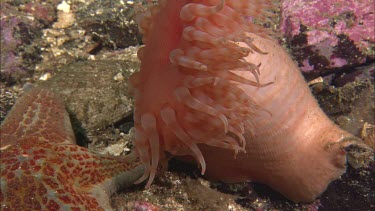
(43, 169)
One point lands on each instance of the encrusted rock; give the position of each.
(327, 34)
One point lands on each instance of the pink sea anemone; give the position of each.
(213, 85)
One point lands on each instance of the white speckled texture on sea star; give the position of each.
(43, 169)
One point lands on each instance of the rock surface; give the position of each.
(95, 91)
(327, 34)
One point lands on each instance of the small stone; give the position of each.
(65, 7)
(368, 134)
(45, 77)
(64, 20)
(315, 81)
(119, 77)
(65, 17)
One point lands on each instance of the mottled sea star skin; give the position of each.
(43, 169)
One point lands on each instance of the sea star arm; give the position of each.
(40, 113)
(42, 168)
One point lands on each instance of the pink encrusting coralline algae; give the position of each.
(214, 86)
(43, 169)
(329, 33)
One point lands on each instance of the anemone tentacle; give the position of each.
(205, 105)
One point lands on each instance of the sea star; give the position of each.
(43, 169)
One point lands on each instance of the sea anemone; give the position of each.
(213, 84)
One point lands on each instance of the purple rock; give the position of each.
(10, 62)
(20, 27)
(328, 34)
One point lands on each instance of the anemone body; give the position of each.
(214, 86)
(297, 150)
